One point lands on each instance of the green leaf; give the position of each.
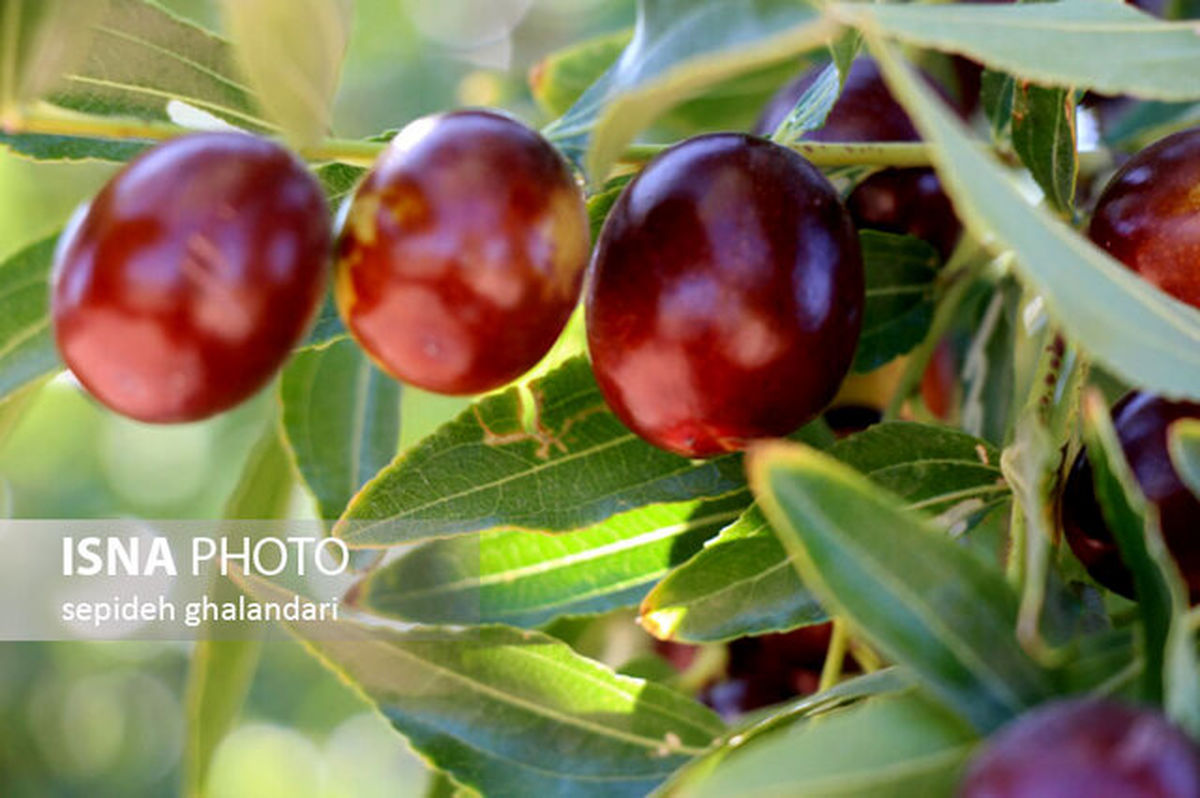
(900, 272)
(341, 418)
(1185, 452)
(600, 204)
(1043, 135)
(526, 579)
(27, 348)
(221, 670)
(72, 148)
(570, 467)
(1114, 314)
(1172, 673)
(996, 96)
(771, 720)
(923, 600)
(1104, 45)
(814, 105)
(561, 78)
(142, 57)
(679, 48)
(512, 712)
(744, 583)
(291, 52)
(339, 181)
(741, 583)
(327, 328)
(40, 40)
(13, 407)
(899, 745)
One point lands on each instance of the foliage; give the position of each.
(535, 512)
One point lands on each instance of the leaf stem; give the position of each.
(955, 285)
(835, 657)
(47, 120)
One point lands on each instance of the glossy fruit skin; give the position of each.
(463, 253)
(187, 282)
(901, 201)
(1142, 423)
(1148, 219)
(726, 296)
(1086, 747)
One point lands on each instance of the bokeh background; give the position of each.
(106, 719)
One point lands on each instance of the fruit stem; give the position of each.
(835, 656)
(955, 281)
(819, 153)
(47, 120)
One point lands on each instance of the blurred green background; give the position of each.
(106, 719)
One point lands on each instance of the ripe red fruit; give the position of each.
(901, 201)
(1088, 747)
(463, 253)
(1142, 423)
(1148, 219)
(188, 280)
(726, 296)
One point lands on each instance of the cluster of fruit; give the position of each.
(724, 300)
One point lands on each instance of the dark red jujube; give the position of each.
(1086, 747)
(463, 253)
(186, 283)
(1148, 216)
(1142, 423)
(726, 296)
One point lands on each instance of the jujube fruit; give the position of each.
(186, 283)
(1086, 747)
(1148, 218)
(901, 201)
(463, 253)
(1142, 423)
(726, 296)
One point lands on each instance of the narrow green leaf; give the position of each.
(291, 52)
(526, 579)
(26, 342)
(813, 107)
(327, 328)
(1172, 672)
(341, 418)
(926, 602)
(512, 712)
(142, 57)
(441, 785)
(996, 96)
(900, 271)
(772, 720)
(1043, 135)
(561, 78)
(572, 466)
(1104, 45)
(744, 583)
(221, 670)
(13, 407)
(1114, 314)
(678, 49)
(600, 204)
(72, 148)
(39, 41)
(894, 746)
(1185, 452)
